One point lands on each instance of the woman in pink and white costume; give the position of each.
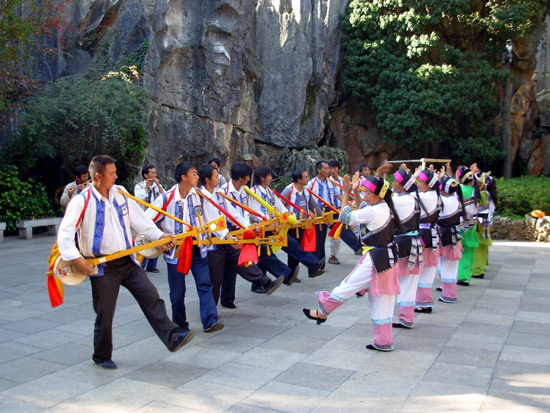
(430, 204)
(450, 248)
(375, 270)
(409, 247)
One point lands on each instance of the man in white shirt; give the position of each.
(215, 162)
(80, 183)
(347, 235)
(319, 186)
(105, 228)
(223, 261)
(183, 202)
(296, 194)
(240, 176)
(262, 180)
(149, 190)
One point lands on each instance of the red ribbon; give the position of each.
(223, 211)
(247, 209)
(289, 202)
(322, 200)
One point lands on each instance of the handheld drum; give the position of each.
(68, 274)
(149, 252)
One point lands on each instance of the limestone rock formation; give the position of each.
(226, 77)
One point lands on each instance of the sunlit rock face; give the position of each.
(225, 77)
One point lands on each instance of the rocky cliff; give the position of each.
(226, 77)
(231, 77)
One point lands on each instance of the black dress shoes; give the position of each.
(273, 285)
(423, 310)
(106, 364)
(258, 289)
(318, 269)
(214, 327)
(154, 270)
(292, 276)
(182, 339)
(478, 276)
(229, 305)
(463, 283)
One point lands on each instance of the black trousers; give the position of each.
(223, 266)
(321, 236)
(105, 293)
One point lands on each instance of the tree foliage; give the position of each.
(416, 64)
(82, 116)
(22, 23)
(21, 199)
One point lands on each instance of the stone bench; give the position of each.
(25, 226)
(2, 229)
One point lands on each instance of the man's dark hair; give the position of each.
(334, 164)
(215, 160)
(205, 172)
(261, 172)
(80, 170)
(99, 163)
(240, 170)
(182, 169)
(297, 174)
(145, 170)
(319, 165)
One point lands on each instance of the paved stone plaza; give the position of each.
(488, 352)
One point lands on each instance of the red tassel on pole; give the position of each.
(309, 239)
(186, 255)
(54, 291)
(249, 253)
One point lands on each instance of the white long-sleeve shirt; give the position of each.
(105, 227)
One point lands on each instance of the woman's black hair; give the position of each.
(396, 221)
(492, 189)
(461, 199)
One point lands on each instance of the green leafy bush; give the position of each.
(79, 117)
(428, 69)
(519, 196)
(21, 199)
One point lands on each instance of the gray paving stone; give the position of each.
(450, 397)
(451, 374)
(469, 356)
(526, 372)
(46, 391)
(315, 376)
(203, 357)
(267, 340)
(506, 404)
(258, 330)
(529, 328)
(528, 394)
(205, 395)
(160, 407)
(342, 359)
(167, 374)
(241, 376)
(270, 358)
(29, 368)
(524, 354)
(120, 394)
(232, 341)
(297, 398)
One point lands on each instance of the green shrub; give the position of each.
(21, 199)
(519, 196)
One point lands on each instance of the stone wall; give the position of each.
(528, 229)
